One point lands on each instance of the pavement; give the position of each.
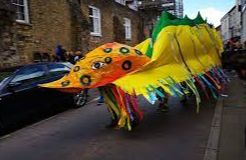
(232, 142)
(216, 133)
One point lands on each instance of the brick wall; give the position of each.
(51, 24)
(65, 22)
(112, 19)
(8, 54)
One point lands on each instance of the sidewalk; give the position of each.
(232, 142)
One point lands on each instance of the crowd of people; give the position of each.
(62, 55)
(234, 44)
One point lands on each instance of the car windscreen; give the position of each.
(3, 81)
(28, 73)
(4, 75)
(58, 69)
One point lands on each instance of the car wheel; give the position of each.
(80, 100)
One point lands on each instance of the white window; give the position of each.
(128, 30)
(123, 2)
(95, 21)
(21, 9)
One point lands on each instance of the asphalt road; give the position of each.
(80, 134)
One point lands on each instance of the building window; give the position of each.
(128, 30)
(95, 21)
(21, 9)
(123, 2)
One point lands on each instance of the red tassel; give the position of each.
(214, 81)
(202, 86)
(135, 106)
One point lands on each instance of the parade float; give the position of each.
(181, 57)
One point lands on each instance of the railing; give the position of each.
(156, 4)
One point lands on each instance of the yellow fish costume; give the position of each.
(180, 51)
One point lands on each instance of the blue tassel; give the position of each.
(152, 96)
(159, 93)
(210, 86)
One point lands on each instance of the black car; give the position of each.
(22, 101)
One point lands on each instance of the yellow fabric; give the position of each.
(143, 46)
(179, 52)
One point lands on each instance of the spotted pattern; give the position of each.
(97, 65)
(107, 50)
(108, 60)
(65, 83)
(85, 80)
(126, 65)
(76, 68)
(124, 50)
(138, 52)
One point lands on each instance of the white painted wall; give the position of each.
(235, 22)
(225, 32)
(243, 31)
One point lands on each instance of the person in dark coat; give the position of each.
(60, 53)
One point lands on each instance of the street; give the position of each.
(62, 61)
(81, 134)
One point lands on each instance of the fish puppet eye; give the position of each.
(97, 65)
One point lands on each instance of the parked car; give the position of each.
(23, 101)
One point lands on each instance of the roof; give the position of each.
(227, 14)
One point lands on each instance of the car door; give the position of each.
(22, 96)
(55, 72)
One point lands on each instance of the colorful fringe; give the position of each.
(125, 109)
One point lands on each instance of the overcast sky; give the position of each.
(213, 10)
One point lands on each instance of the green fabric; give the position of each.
(167, 19)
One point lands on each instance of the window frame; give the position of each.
(128, 28)
(98, 17)
(26, 11)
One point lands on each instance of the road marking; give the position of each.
(211, 152)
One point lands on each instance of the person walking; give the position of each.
(60, 53)
(71, 57)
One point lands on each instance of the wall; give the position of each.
(225, 32)
(235, 22)
(8, 53)
(243, 38)
(112, 21)
(64, 22)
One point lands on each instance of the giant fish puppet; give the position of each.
(181, 52)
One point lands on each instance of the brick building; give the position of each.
(34, 27)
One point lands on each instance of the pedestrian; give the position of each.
(71, 56)
(77, 56)
(60, 53)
